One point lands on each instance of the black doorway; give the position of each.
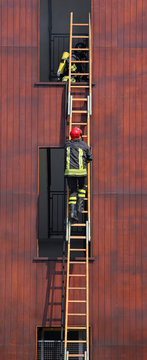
(51, 201)
(54, 32)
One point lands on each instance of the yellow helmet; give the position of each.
(65, 55)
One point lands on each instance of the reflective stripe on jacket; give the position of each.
(77, 155)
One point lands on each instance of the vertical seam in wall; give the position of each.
(129, 195)
(38, 23)
(12, 179)
(6, 205)
(6, 188)
(12, 167)
(123, 165)
(104, 199)
(19, 168)
(111, 171)
(98, 170)
(31, 199)
(24, 234)
(135, 50)
(116, 210)
(1, 131)
(142, 165)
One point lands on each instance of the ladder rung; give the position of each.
(85, 198)
(80, 36)
(79, 111)
(79, 86)
(77, 262)
(71, 314)
(75, 355)
(74, 123)
(77, 237)
(77, 288)
(75, 301)
(79, 99)
(76, 341)
(72, 73)
(80, 49)
(81, 275)
(77, 249)
(84, 136)
(80, 24)
(84, 212)
(77, 327)
(78, 225)
(80, 61)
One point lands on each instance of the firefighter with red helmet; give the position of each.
(77, 155)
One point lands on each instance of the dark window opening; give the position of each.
(51, 207)
(51, 201)
(49, 343)
(54, 32)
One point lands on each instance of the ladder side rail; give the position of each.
(70, 112)
(87, 237)
(88, 117)
(67, 293)
(69, 84)
(90, 65)
(68, 252)
(88, 142)
(70, 118)
(64, 233)
(70, 51)
(87, 297)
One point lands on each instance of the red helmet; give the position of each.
(75, 133)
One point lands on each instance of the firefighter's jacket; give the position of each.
(77, 155)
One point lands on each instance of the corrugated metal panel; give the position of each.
(31, 117)
(119, 180)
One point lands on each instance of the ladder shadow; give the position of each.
(51, 295)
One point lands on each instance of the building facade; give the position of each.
(32, 116)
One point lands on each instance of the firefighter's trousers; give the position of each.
(76, 188)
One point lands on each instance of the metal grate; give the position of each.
(76, 348)
(56, 217)
(59, 43)
(50, 349)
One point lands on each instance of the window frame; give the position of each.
(38, 258)
(38, 166)
(58, 328)
(51, 83)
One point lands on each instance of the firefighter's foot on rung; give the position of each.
(80, 206)
(74, 219)
(73, 213)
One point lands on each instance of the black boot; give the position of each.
(73, 212)
(80, 205)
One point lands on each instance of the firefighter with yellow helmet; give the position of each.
(63, 69)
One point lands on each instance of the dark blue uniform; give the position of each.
(77, 155)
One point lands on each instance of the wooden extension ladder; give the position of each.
(77, 287)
